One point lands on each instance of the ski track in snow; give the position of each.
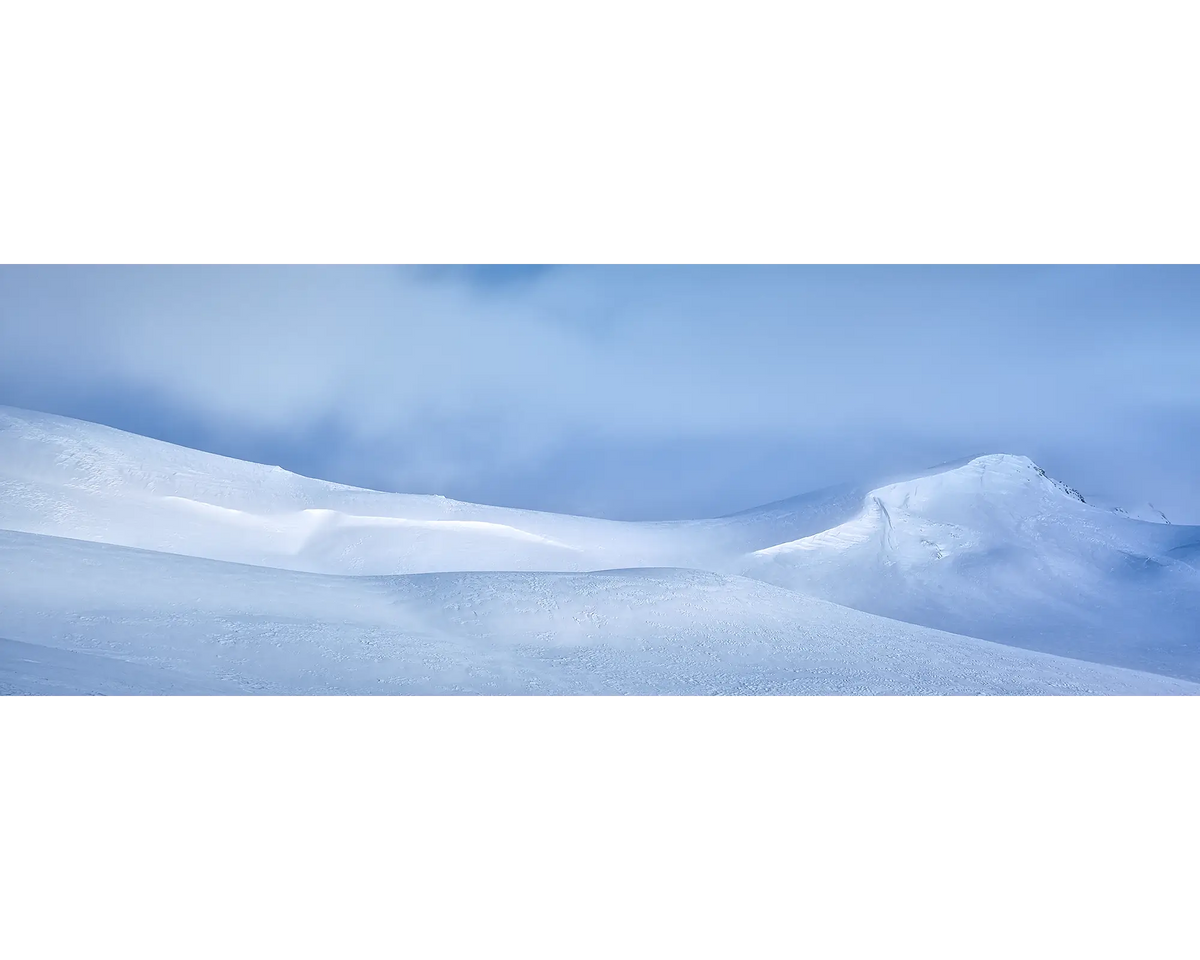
(128, 565)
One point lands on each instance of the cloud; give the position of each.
(466, 377)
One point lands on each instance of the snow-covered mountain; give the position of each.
(201, 573)
(996, 549)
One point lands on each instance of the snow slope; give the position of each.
(996, 549)
(1143, 511)
(68, 478)
(989, 548)
(88, 617)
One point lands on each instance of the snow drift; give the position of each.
(136, 565)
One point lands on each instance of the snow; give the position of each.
(1141, 511)
(996, 549)
(130, 565)
(65, 478)
(109, 619)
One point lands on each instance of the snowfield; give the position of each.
(128, 565)
(996, 549)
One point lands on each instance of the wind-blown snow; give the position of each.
(133, 565)
(997, 549)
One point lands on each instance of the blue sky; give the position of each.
(630, 392)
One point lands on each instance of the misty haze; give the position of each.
(530, 480)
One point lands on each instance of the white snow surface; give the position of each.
(996, 549)
(129, 565)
